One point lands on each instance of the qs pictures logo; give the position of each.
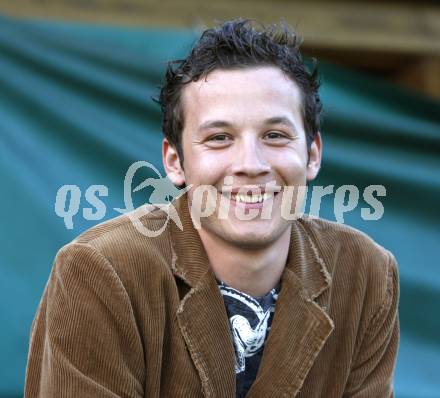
(206, 201)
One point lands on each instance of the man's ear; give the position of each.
(315, 155)
(171, 163)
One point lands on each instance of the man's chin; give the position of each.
(253, 234)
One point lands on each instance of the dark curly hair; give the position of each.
(238, 44)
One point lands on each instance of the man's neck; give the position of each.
(253, 271)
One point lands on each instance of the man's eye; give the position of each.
(273, 135)
(219, 137)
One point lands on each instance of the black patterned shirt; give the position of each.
(250, 319)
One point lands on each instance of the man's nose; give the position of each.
(250, 160)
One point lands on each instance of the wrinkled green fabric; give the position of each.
(76, 108)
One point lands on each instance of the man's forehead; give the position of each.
(258, 86)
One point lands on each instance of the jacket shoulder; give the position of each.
(125, 246)
(348, 252)
(332, 238)
(148, 215)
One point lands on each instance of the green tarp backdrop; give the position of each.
(76, 109)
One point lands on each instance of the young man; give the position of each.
(229, 305)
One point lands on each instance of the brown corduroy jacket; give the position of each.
(124, 315)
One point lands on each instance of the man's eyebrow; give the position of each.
(214, 124)
(225, 124)
(280, 120)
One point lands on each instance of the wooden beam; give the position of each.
(374, 26)
(398, 41)
(422, 75)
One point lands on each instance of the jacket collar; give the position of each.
(299, 329)
(304, 259)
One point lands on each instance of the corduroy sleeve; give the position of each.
(84, 340)
(372, 373)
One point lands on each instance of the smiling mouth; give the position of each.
(247, 198)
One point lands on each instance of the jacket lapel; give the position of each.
(300, 327)
(299, 330)
(202, 315)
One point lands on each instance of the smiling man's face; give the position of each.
(247, 124)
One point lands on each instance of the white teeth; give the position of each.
(251, 198)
